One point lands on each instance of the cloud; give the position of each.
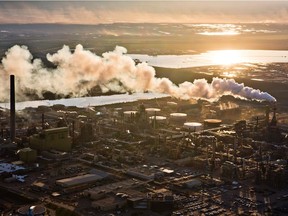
(78, 72)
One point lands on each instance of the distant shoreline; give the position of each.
(160, 38)
(206, 59)
(87, 101)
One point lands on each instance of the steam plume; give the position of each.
(79, 71)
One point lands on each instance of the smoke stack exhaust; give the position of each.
(81, 71)
(12, 108)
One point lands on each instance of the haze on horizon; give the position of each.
(103, 12)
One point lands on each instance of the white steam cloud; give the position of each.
(80, 70)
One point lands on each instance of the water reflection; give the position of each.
(257, 65)
(221, 33)
(216, 57)
(227, 57)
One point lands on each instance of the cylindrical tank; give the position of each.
(159, 119)
(172, 104)
(193, 126)
(152, 111)
(178, 118)
(82, 117)
(129, 114)
(37, 210)
(212, 123)
(117, 111)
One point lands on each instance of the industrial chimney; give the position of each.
(12, 108)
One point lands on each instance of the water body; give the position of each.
(217, 57)
(87, 101)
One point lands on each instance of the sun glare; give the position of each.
(227, 57)
(222, 33)
(229, 74)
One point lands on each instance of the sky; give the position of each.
(136, 11)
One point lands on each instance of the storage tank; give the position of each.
(159, 119)
(117, 111)
(152, 111)
(37, 210)
(129, 114)
(212, 123)
(193, 126)
(172, 104)
(178, 118)
(82, 118)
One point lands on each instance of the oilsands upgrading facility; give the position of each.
(150, 157)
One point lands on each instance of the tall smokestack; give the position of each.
(12, 108)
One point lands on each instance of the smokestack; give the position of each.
(12, 108)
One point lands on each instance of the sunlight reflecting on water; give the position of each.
(258, 65)
(229, 74)
(216, 57)
(227, 57)
(222, 33)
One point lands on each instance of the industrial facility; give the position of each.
(151, 157)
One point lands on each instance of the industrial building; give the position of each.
(54, 138)
(27, 155)
(109, 203)
(79, 180)
(160, 156)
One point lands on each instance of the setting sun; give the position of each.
(226, 57)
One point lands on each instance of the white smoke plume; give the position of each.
(80, 70)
